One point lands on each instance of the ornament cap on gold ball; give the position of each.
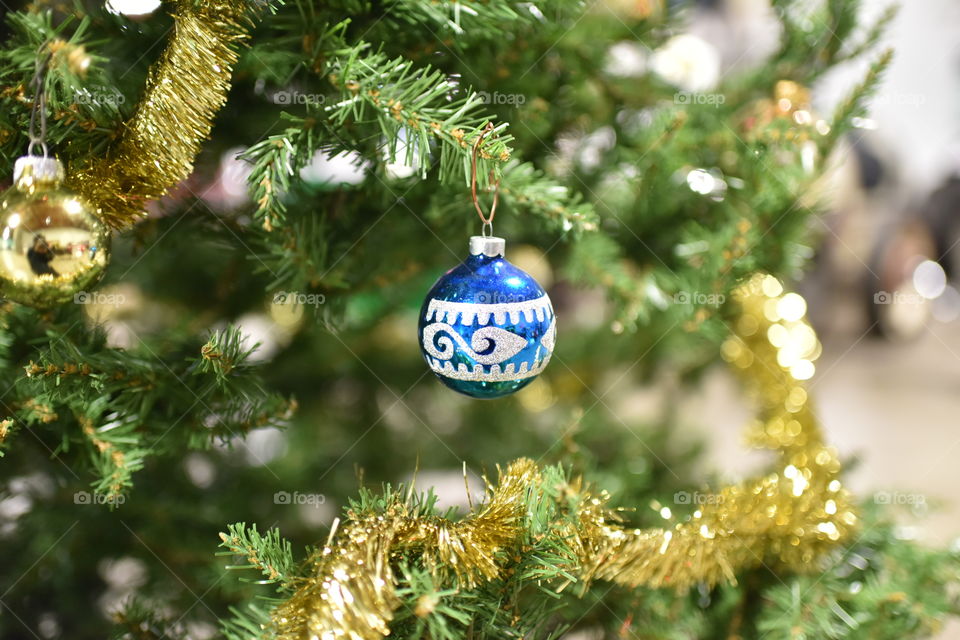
(30, 171)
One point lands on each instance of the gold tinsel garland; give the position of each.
(351, 592)
(785, 519)
(184, 90)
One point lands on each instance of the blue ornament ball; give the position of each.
(487, 328)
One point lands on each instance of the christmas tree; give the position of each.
(234, 432)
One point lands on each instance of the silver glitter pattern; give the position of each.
(446, 311)
(441, 340)
(550, 337)
(510, 372)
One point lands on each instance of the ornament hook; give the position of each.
(487, 229)
(39, 108)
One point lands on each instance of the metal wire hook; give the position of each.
(487, 229)
(39, 103)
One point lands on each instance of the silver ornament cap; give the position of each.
(40, 168)
(489, 246)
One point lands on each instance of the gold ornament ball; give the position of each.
(52, 246)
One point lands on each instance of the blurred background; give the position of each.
(883, 295)
(883, 292)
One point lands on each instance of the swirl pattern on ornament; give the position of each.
(500, 343)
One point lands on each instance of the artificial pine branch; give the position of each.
(269, 554)
(83, 102)
(637, 235)
(853, 105)
(872, 36)
(528, 189)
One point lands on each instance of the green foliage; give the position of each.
(852, 107)
(147, 401)
(882, 586)
(126, 403)
(878, 586)
(269, 554)
(83, 107)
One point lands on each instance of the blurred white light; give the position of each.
(800, 484)
(909, 312)
(700, 181)
(688, 62)
(132, 7)
(48, 626)
(808, 156)
(14, 507)
(929, 279)
(788, 356)
(803, 370)
(347, 167)
(234, 172)
(123, 573)
(32, 484)
(594, 146)
(792, 307)
(259, 329)
(534, 11)
(449, 486)
(201, 471)
(396, 166)
(905, 532)
(626, 59)
(771, 287)
(316, 513)
(198, 630)
(946, 308)
(263, 445)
